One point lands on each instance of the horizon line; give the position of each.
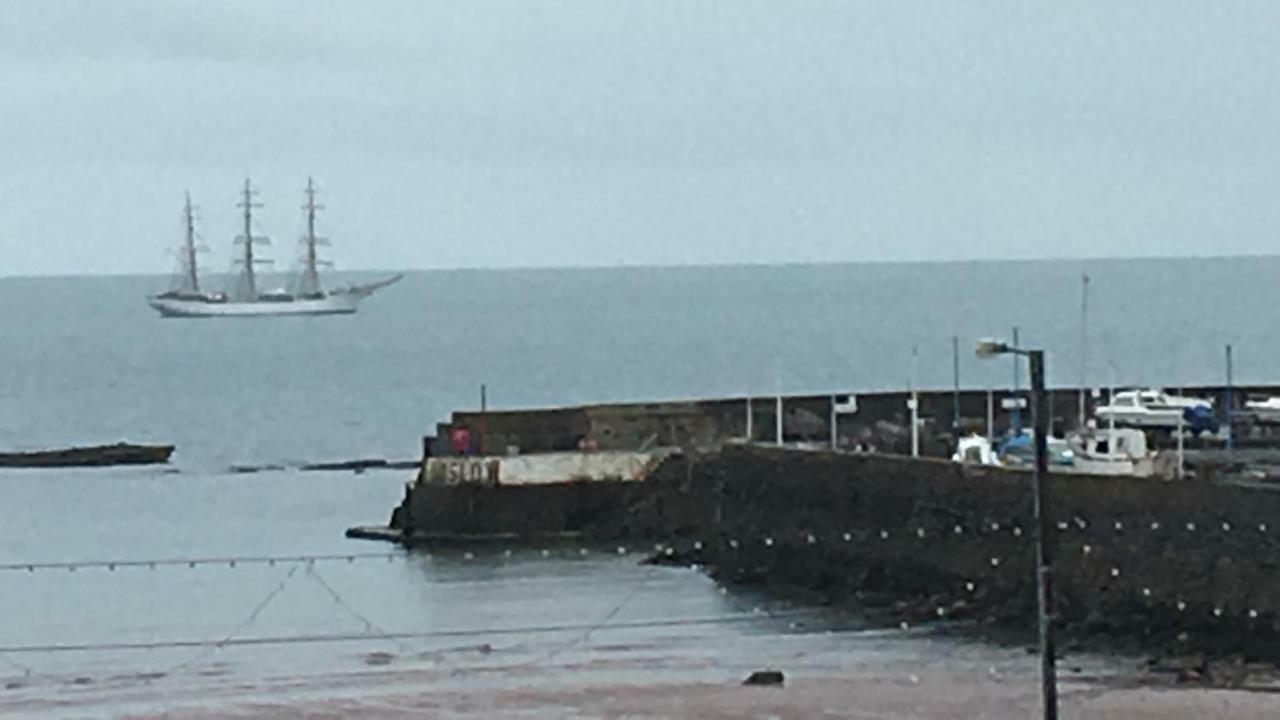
(698, 265)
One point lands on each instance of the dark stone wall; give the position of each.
(1168, 565)
(1178, 566)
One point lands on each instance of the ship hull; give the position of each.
(101, 455)
(344, 301)
(334, 304)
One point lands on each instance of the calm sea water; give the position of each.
(83, 360)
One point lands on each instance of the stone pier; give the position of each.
(1159, 566)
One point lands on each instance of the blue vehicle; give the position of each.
(1200, 419)
(1020, 450)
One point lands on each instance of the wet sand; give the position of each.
(866, 675)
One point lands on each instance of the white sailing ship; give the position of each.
(308, 297)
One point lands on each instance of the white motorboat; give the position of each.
(1264, 411)
(975, 450)
(1112, 451)
(1149, 409)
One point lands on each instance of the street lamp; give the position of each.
(1044, 524)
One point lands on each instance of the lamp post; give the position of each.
(1044, 521)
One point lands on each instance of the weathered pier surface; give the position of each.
(871, 420)
(360, 465)
(1163, 567)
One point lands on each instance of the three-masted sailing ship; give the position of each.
(245, 299)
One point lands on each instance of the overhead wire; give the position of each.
(244, 624)
(369, 625)
(193, 562)
(317, 638)
(608, 618)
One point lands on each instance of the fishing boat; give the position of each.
(1114, 452)
(308, 297)
(1109, 452)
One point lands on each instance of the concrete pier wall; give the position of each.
(1175, 566)
(541, 468)
(881, 421)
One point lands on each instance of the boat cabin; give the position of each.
(1120, 443)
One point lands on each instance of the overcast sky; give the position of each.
(524, 133)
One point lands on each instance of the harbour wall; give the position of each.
(1168, 567)
(542, 468)
(877, 421)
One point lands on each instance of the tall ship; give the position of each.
(244, 298)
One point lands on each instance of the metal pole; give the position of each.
(955, 384)
(914, 404)
(835, 428)
(1044, 536)
(1016, 420)
(1084, 349)
(915, 424)
(750, 422)
(1053, 412)
(777, 421)
(482, 440)
(1230, 429)
(1111, 417)
(1181, 453)
(991, 415)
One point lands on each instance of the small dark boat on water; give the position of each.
(94, 456)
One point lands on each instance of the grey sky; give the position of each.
(652, 131)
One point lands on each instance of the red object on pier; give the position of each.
(460, 440)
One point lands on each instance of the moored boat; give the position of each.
(1015, 451)
(1156, 409)
(1263, 411)
(89, 456)
(1113, 452)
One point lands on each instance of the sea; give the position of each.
(253, 633)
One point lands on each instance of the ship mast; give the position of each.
(191, 277)
(251, 284)
(249, 289)
(311, 262)
(311, 276)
